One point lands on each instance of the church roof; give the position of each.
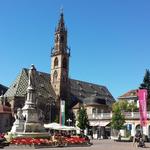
(18, 88)
(80, 90)
(90, 93)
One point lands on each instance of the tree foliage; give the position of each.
(83, 121)
(126, 106)
(118, 118)
(132, 107)
(123, 105)
(146, 85)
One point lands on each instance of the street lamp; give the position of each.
(69, 121)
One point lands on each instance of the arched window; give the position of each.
(94, 111)
(65, 63)
(55, 76)
(56, 62)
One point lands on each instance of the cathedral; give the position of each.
(52, 88)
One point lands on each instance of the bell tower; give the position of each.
(60, 54)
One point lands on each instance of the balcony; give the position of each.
(107, 116)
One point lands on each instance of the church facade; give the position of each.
(56, 86)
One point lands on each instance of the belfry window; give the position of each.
(56, 62)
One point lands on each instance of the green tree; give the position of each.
(126, 106)
(146, 85)
(83, 121)
(118, 119)
(123, 105)
(132, 107)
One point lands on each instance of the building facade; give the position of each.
(6, 119)
(130, 96)
(133, 116)
(57, 86)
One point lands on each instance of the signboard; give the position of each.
(62, 112)
(142, 96)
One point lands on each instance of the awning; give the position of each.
(52, 125)
(57, 126)
(103, 123)
(99, 123)
(94, 123)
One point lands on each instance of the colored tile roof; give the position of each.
(90, 93)
(79, 90)
(44, 88)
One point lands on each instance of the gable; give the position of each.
(43, 86)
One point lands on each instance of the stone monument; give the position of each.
(18, 125)
(27, 121)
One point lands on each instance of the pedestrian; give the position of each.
(136, 138)
(141, 142)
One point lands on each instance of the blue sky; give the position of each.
(109, 39)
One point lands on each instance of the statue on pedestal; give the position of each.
(27, 121)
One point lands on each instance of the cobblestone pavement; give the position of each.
(100, 145)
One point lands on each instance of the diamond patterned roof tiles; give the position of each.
(44, 88)
(12, 90)
(80, 90)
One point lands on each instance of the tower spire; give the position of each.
(60, 44)
(61, 24)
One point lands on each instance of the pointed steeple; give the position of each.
(61, 23)
(60, 44)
